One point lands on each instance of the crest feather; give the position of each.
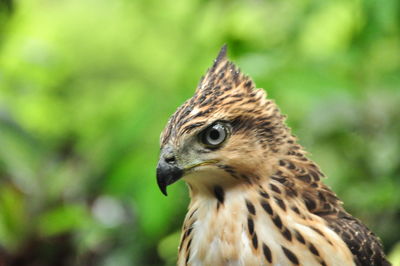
(221, 56)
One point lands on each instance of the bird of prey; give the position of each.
(256, 199)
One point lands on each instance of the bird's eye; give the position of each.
(214, 135)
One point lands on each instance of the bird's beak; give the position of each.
(168, 172)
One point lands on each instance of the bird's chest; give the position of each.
(217, 238)
(218, 234)
(238, 233)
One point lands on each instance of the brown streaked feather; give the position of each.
(363, 243)
(320, 200)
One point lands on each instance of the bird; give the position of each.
(255, 196)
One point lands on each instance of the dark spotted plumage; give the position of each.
(286, 233)
(250, 225)
(365, 246)
(299, 237)
(271, 203)
(219, 194)
(250, 207)
(267, 253)
(255, 241)
(291, 256)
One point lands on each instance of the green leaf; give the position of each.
(14, 221)
(62, 219)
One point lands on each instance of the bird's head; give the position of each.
(226, 133)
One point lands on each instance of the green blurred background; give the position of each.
(86, 86)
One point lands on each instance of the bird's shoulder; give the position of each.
(320, 200)
(365, 246)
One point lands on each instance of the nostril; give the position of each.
(170, 160)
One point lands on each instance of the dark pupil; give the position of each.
(214, 134)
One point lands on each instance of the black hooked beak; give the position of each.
(167, 170)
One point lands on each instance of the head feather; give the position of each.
(225, 93)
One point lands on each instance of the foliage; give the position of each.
(87, 86)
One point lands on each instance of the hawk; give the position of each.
(256, 199)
